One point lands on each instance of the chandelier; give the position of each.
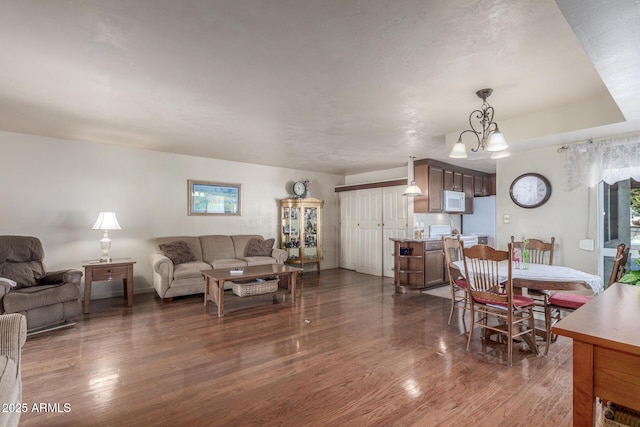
(486, 131)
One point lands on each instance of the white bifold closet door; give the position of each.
(368, 218)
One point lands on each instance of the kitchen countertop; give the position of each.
(408, 239)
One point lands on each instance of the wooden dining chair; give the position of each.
(539, 253)
(490, 295)
(566, 302)
(457, 283)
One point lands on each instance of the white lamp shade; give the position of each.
(497, 142)
(106, 221)
(412, 190)
(459, 151)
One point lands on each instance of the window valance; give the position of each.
(609, 161)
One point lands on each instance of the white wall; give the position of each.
(53, 189)
(563, 216)
(377, 176)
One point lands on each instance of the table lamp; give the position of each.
(106, 221)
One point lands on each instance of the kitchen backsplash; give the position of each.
(423, 221)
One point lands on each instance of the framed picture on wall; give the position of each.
(214, 198)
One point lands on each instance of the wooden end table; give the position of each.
(606, 351)
(117, 269)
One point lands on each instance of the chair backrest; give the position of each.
(22, 259)
(452, 249)
(539, 251)
(619, 263)
(452, 253)
(481, 270)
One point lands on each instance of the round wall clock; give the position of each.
(299, 189)
(530, 190)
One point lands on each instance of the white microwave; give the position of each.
(453, 201)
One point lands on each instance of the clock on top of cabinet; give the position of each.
(299, 189)
(530, 190)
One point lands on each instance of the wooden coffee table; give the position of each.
(214, 280)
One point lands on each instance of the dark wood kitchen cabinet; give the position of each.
(469, 191)
(482, 185)
(436, 186)
(434, 271)
(452, 180)
(430, 178)
(433, 177)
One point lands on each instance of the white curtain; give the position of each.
(609, 161)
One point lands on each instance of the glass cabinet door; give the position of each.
(311, 233)
(291, 232)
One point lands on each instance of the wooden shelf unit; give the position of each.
(408, 269)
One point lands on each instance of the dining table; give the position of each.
(545, 277)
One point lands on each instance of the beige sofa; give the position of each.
(13, 334)
(214, 251)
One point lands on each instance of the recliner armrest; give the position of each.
(60, 277)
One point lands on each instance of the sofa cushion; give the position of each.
(189, 270)
(215, 247)
(20, 300)
(259, 260)
(178, 252)
(228, 263)
(260, 247)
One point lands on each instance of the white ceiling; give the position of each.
(336, 86)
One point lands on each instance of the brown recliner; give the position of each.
(46, 299)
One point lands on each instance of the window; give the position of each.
(620, 220)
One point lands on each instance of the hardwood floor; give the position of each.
(349, 352)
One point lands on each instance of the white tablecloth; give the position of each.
(551, 273)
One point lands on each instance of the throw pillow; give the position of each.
(178, 252)
(259, 247)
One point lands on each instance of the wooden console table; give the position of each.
(606, 351)
(117, 269)
(214, 280)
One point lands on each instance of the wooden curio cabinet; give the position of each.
(301, 230)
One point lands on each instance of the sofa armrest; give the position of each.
(13, 335)
(280, 255)
(162, 268)
(60, 277)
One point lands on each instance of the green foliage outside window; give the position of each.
(635, 206)
(632, 277)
